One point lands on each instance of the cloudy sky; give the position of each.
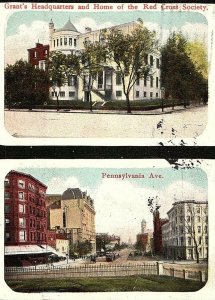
(121, 204)
(25, 28)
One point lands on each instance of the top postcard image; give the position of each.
(124, 74)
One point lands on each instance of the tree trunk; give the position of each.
(90, 100)
(128, 103)
(57, 102)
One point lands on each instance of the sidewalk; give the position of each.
(166, 110)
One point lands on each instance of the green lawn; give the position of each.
(120, 284)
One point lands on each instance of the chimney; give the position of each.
(88, 29)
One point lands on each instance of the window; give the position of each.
(137, 94)
(72, 80)
(54, 43)
(151, 60)
(138, 81)
(198, 210)
(144, 94)
(157, 63)
(22, 208)
(35, 54)
(181, 230)
(57, 42)
(118, 78)
(6, 195)
(188, 218)
(145, 80)
(75, 42)
(7, 236)
(7, 208)
(22, 236)
(64, 219)
(199, 229)
(21, 196)
(118, 93)
(62, 94)
(6, 182)
(151, 94)
(189, 241)
(198, 219)
(146, 59)
(70, 41)
(156, 95)
(206, 240)
(7, 221)
(157, 82)
(65, 41)
(61, 41)
(151, 81)
(22, 222)
(181, 219)
(21, 184)
(182, 241)
(72, 94)
(206, 229)
(200, 240)
(100, 80)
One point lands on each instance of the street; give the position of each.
(188, 123)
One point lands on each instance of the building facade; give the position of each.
(38, 55)
(108, 83)
(25, 210)
(144, 238)
(74, 213)
(158, 223)
(186, 232)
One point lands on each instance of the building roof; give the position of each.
(26, 175)
(68, 27)
(72, 193)
(29, 249)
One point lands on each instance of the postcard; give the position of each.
(111, 73)
(91, 229)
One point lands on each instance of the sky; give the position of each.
(25, 28)
(121, 204)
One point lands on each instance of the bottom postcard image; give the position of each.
(104, 226)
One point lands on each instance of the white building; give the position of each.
(108, 84)
(187, 230)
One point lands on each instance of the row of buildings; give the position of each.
(183, 235)
(108, 83)
(37, 225)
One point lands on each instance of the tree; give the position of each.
(60, 68)
(129, 53)
(198, 54)
(102, 240)
(194, 232)
(25, 84)
(57, 72)
(93, 59)
(180, 76)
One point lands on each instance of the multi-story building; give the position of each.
(108, 84)
(25, 210)
(38, 55)
(144, 238)
(185, 235)
(75, 214)
(157, 233)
